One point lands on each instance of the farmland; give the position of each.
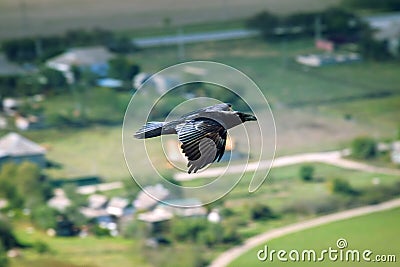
(45, 17)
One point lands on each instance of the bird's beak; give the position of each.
(250, 117)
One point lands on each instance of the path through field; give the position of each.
(332, 157)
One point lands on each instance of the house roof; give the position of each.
(144, 201)
(85, 56)
(14, 144)
(96, 201)
(157, 215)
(185, 207)
(9, 68)
(118, 202)
(93, 213)
(117, 205)
(60, 201)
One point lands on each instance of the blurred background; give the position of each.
(68, 70)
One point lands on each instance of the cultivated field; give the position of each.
(43, 17)
(376, 232)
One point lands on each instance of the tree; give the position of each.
(44, 217)
(386, 5)
(23, 185)
(212, 235)
(3, 257)
(54, 79)
(7, 237)
(261, 212)
(121, 44)
(187, 229)
(342, 186)
(122, 68)
(364, 148)
(374, 49)
(264, 21)
(306, 172)
(73, 214)
(8, 187)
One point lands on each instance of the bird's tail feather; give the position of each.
(150, 129)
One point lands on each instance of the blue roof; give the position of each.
(109, 82)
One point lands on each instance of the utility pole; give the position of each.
(24, 17)
(317, 28)
(181, 45)
(25, 28)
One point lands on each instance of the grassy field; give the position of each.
(53, 16)
(72, 252)
(284, 186)
(377, 232)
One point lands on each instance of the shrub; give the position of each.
(187, 229)
(342, 186)
(7, 237)
(306, 172)
(44, 217)
(364, 148)
(41, 247)
(261, 212)
(100, 231)
(3, 256)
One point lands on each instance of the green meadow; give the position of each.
(377, 232)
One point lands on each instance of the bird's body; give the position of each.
(202, 132)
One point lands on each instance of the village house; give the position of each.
(148, 197)
(386, 27)
(16, 148)
(94, 59)
(118, 207)
(185, 207)
(59, 201)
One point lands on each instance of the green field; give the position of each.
(72, 252)
(54, 16)
(284, 186)
(377, 232)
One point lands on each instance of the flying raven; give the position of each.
(202, 132)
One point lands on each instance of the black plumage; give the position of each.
(202, 132)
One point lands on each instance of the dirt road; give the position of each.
(334, 158)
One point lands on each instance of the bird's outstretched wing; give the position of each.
(203, 142)
(214, 108)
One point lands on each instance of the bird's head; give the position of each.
(246, 117)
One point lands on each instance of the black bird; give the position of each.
(202, 132)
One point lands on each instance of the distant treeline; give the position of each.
(40, 48)
(336, 24)
(382, 5)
